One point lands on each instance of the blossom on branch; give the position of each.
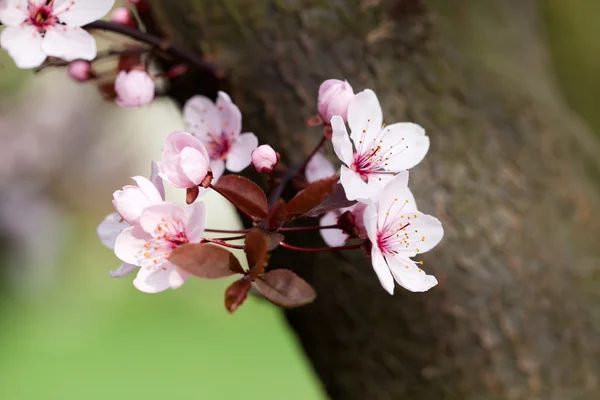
(398, 231)
(379, 153)
(134, 89)
(185, 163)
(218, 126)
(264, 159)
(36, 29)
(334, 99)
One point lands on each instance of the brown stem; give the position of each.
(319, 249)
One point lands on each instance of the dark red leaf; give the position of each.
(284, 288)
(244, 194)
(278, 215)
(313, 195)
(336, 200)
(255, 247)
(236, 294)
(191, 194)
(206, 260)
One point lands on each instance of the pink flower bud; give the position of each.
(123, 16)
(185, 163)
(142, 5)
(264, 159)
(80, 70)
(334, 98)
(134, 89)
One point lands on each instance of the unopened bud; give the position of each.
(264, 159)
(134, 89)
(334, 98)
(123, 16)
(80, 70)
(141, 5)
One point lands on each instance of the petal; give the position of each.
(13, 12)
(218, 168)
(406, 145)
(382, 270)
(354, 187)
(409, 275)
(341, 142)
(148, 189)
(81, 12)
(179, 140)
(154, 280)
(425, 232)
(377, 181)
(130, 202)
(130, 243)
(194, 165)
(230, 115)
(240, 154)
(157, 180)
(319, 167)
(169, 216)
(364, 117)
(202, 118)
(195, 216)
(110, 228)
(395, 204)
(333, 237)
(69, 43)
(370, 222)
(177, 277)
(123, 270)
(24, 44)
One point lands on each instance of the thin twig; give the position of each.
(319, 249)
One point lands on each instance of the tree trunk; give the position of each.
(511, 174)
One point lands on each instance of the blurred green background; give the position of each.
(68, 331)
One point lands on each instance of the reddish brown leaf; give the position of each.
(255, 247)
(274, 239)
(206, 260)
(313, 195)
(284, 288)
(278, 215)
(336, 200)
(191, 194)
(244, 194)
(236, 294)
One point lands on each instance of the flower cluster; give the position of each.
(366, 204)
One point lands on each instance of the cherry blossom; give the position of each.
(319, 167)
(379, 152)
(134, 89)
(80, 70)
(36, 29)
(264, 159)
(185, 162)
(398, 231)
(218, 126)
(334, 99)
(162, 229)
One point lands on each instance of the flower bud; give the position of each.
(134, 89)
(334, 98)
(264, 159)
(141, 5)
(80, 70)
(185, 162)
(123, 16)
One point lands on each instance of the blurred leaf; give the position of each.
(237, 293)
(206, 260)
(336, 200)
(255, 247)
(191, 194)
(313, 195)
(244, 194)
(278, 215)
(285, 288)
(274, 239)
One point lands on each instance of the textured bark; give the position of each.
(511, 174)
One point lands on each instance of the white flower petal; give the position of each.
(409, 275)
(110, 228)
(341, 142)
(24, 44)
(156, 179)
(425, 232)
(230, 115)
(395, 203)
(177, 278)
(364, 118)
(240, 154)
(354, 187)
(130, 243)
(218, 168)
(194, 165)
(202, 118)
(148, 189)
(69, 43)
(405, 145)
(195, 216)
(81, 12)
(382, 270)
(123, 270)
(319, 167)
(370, 222)
(333, 237)
(13, 12)
(155, 279)
(161, 214)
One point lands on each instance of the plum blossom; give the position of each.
(218, 126)
(80, 70)
(162, 229)
(185, 162)
(318, 167)
(398, 231)
(264, 159)
(36, 29)
(334, 99)
(134, 89)
(349, 218)
(379, 152)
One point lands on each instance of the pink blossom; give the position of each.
(379, 153)
(134, 88)
(80, 70)
(319, 167)
(349, 218)
(264, 159)
(37, 29)
(123, 16)
(185, 162)
(162, 229)
(218, 126)
(334, 98)
(398, 231)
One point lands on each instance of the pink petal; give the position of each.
(123, 270)
(148, 189)
(382, 270)
(153, 280)
(130, 202)
(13, 12)
(240, 154)
(81, 12)
(110, 228)
(406, 143)
(333, 237)
(230, 115)
(425, 233)
(24, 44)
(364, 117)
(202, 118)
(177, 277)
(354, 187)
(194, 165)
(409, 275)
(130, 244)
(195, 216)
(157, 180)
(69, 43)
(170, 214)
(394, 201)
(341, 142)
(319, 167)
(218, 168)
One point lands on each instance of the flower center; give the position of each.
(42, 16)
(368, 162)
(168, 236)
(219, 147)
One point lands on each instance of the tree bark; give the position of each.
(511, 173)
